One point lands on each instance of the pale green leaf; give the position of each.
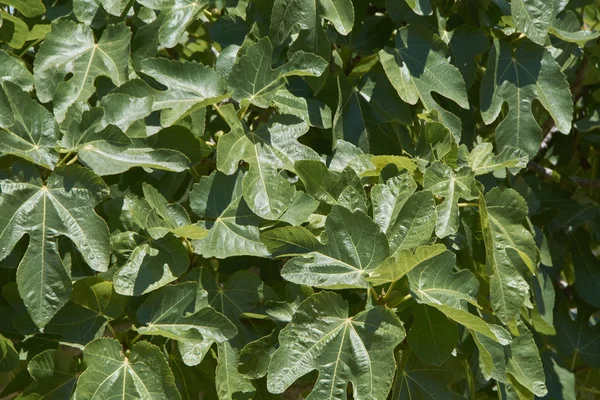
(394, 268)
(109, 151)
(482, 159)
(436, 284)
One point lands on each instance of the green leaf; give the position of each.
(230, 383)
(142, 374)
(256, 356)
(418, 66)
(190, 87)
(394, 268)
(289, 16)
(577, 342)
(355, 245)
(76, 324)
(343, 349)
(267, 193)
(308, 109)
(108, 151)
(55, 373)
(64, 205)
(524, 362)
(308, 16)
(289, 240)
(452, 186)
(252, 79)
(176, 16)
(389, 198)
(122, 110)
(533, 18)
(482, 159)
(510, 250)
(242, 293)
(151, 264)
(217, 200)
(432, 336)
(166, 313)
(567, 27)
(87, 11)
(9, 358)
(70, 48)
(15, 71)
(326, 185)
(99, 295)
(13, 31)
(416, 379)
(466, 43)
(364, 112)
(518, 76)
(414, 224)
(30, 131)
(587, 267)
(419, 7)
(520, 360)
(434, 283)
(169, 217)
(29, 8)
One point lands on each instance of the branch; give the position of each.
(556, 177)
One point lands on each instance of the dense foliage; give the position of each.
(330, 199)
